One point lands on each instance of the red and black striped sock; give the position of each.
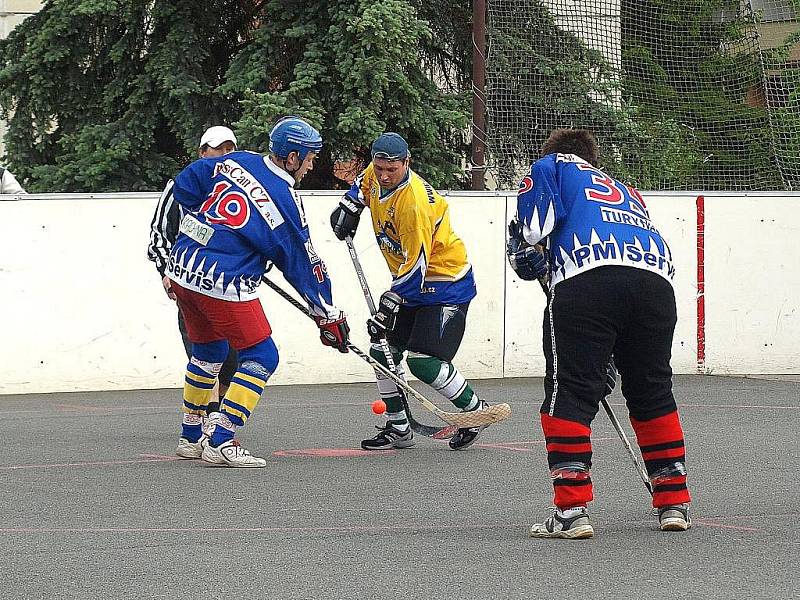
(569, 455)
(662, 446)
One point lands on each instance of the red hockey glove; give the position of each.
(334, 332)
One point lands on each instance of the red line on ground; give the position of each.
(342, 529)
(331, 452)
(681, 405)
(688, 405)
(96, 411)
(161, 456)
(146, 458)
(709, 523)
(82, 408)
(515, 446)
(506, 447)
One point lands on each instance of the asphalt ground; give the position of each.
(93, 504)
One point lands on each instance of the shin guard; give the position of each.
(256, 366)
(388, 390)
(662, 446)
(201, 375)
(569, 456)
(444, 378)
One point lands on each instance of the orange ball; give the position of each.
(379, 407)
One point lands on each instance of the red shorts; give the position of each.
(208, 319)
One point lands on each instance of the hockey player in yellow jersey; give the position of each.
(424, 311)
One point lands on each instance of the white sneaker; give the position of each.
(230, 454)
(573, 525)
(187, 449)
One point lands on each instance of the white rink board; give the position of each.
(752, 283)
(84, 308)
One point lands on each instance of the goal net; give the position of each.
(682, 94)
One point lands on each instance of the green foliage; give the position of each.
(356, 76)
(681, 111)
(539, 74)
(688, 73)
(105, 95)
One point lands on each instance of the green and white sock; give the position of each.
(389, 393)
(445, 378)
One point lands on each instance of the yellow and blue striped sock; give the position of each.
(197, 388)
(239, 402)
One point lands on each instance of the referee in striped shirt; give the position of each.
(216, 141)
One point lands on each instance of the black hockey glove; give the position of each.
(384, 320)
(528, 263)
(345, 217)
(334, 332)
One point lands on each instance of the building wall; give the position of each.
(84, 309)
(13, 12)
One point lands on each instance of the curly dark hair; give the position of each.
(573, 141)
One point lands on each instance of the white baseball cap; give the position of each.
(216, 136)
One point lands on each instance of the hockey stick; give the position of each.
(437, 433)
(475, 418)
(611, 384)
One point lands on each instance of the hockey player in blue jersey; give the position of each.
(610, 276)
(241, 213)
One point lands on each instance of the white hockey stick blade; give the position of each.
(475, 418)
(479, 418)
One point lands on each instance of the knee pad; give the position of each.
(426, 368)
(573, 470)
(668, 472)
(261, 359)
(211, 352)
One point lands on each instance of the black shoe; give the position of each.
(466, 436)
(389, 437)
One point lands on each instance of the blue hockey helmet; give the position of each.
(390, 146)
(293, 134)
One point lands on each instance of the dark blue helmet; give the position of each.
(391, 146)
(293, 134)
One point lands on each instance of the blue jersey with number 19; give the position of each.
(242, 212)
(586, 219)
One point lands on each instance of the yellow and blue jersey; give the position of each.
(428, 261)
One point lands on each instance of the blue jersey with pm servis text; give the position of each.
(242, 212)
(586, 219)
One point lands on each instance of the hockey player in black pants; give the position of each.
(610, 274)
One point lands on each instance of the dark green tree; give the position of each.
(107, 95)
(354, 68)
(687, 68)
(540, 76)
